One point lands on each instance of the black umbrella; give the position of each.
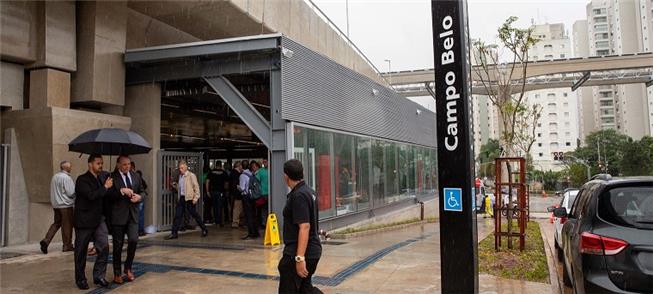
(109, 141)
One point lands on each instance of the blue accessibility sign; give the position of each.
(453, 199)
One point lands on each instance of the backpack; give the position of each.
(254, 188)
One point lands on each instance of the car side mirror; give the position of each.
(560, 212)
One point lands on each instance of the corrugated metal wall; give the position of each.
(317, 91)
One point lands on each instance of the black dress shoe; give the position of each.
(205, 232)
(82, 285)
(44, 247)
(101, 282)
(248, 237)
(171, 237)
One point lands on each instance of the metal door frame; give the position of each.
(4, 189)
(168, 162)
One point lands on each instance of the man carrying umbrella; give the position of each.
(92, 210)
(125, 198)
(89, 221)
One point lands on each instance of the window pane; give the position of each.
(378, 172)
(299, 153)
(363, 147)
(319, 143)
(392, 185)
(411, 170)
(404, 170)
(344, 167)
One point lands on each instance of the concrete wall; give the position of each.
(17, 198)
(55, 35)
(431, 209)
(143, 105)
(41, 142)
(11, 85)
(145, 31)
(101, 41)
(18, 36)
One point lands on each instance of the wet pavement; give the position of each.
(403, 261)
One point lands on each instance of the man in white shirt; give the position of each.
(62, 197)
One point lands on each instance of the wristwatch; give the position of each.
(299, 258)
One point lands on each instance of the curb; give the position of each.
(343, 236)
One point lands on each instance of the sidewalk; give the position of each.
(403, 261)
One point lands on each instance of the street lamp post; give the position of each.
(389, 70)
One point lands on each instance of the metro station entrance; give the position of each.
(199, 127)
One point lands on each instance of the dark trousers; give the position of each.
(63, 218)
(250, 213)
(141, 217)
(262, 212)
(100, 237)
(118, 233)
(290, 282)
(182, 208)
(220, 207)
(209, 202)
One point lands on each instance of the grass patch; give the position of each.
(528, 265)
(376, 226)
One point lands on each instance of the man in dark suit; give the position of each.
(126, 195)
(89, 221)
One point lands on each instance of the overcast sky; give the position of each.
(400, 30)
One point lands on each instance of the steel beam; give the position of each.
(581, 81)
(205, 48)
(241, 106)
(278, 151)
(573, 65)
(195, 67)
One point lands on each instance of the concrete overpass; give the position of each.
(559, 73)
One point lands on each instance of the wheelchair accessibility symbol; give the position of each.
(453, 199)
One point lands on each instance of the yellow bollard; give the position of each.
(271, 231)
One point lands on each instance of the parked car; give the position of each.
(607, 240)
(567, 200)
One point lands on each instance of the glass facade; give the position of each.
(353, 173)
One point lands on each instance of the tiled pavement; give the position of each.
(392, 262)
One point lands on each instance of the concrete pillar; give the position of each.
(56, 36)
(101, 41)
(143, 105)
(18, 20)
(11, 85)
(49, 88)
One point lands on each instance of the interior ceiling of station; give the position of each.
(194, 117)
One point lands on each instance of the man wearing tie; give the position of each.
(127, 193)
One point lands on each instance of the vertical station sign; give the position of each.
(458, 240)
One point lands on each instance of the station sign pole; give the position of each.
(458, 239)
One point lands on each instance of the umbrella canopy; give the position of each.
(109, 141)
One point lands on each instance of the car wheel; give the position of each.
(566, 280)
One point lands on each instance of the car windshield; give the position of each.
(628, 206)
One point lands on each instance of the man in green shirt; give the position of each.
(262, 203)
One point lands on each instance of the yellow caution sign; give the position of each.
(272, 231)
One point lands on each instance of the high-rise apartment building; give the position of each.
(557, 128)
(615, 27)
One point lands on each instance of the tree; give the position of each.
(637, 158)
(501, 80)
(604, 151)
(577, 174)
(489, 151)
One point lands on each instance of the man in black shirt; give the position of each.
(216, 183)
(302, 250)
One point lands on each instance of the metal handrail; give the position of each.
(346, 38)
